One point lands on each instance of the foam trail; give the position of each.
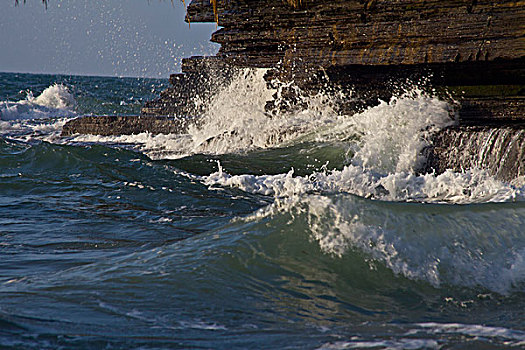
(54, 102)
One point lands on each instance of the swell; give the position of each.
(473, 245)
(315, 221)
(277, 267)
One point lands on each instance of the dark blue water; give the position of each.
(94, 95)
(104, 247)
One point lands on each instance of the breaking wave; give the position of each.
(382, 161)
(54, 102)
(236, 121)
(384, 154)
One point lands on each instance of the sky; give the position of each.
(137, 38)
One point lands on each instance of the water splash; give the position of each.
(54, 102)
(499, 150)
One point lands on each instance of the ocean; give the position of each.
(297, 230)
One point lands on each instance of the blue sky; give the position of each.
(138, 38)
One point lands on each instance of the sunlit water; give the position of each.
(301, 230)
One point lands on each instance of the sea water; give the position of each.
(304, 229)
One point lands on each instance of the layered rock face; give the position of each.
(474, 49)
(264, 33)
(470, 52)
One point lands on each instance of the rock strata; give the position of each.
(264, 33)
(470, 52)
(500, 151)
(372, 48)
(128, 125)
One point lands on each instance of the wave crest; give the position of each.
(54, 102)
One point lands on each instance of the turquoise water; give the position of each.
(148, 243)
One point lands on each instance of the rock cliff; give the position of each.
(474, 50)
(471, 52)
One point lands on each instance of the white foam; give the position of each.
(394, 133)
(55, 96)
(472, 330)
(418, 338)
(386, 138)
(39, 129)
(474, 186)
(54, 102)
(160, 146)
(386, 142)
(235, 121)
(383, 344)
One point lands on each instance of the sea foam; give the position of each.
(54, 102)
(385, 145)
(235, 121)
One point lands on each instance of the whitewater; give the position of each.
(299, 229)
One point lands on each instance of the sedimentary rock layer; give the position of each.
(356, 32)
(466, 48)
(118, 125)
(500, 151)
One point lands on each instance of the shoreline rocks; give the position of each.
(468, 52)
(500, 150)
(472, 51)
(125, 125)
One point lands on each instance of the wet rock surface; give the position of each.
(261, 33)
(500, 150)
(125, 125)
(469, 52)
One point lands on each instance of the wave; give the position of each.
(384, 154)
(236, 121)
(430, 243)
(384, 147)
(480, 247)
(418, 337)
(54, 102)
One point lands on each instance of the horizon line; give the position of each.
(88, 75)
